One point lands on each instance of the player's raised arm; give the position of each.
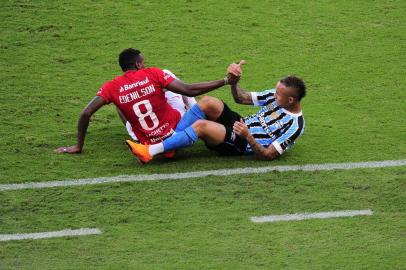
(240, 96)
(83, 123)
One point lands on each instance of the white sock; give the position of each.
(155, 149)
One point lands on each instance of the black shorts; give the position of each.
(233, 144)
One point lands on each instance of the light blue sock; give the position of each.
(191, 116)
(180, 139)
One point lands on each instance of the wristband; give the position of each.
(225, 80)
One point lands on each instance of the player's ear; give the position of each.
(291, 100)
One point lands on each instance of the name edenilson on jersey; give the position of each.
(137, 94)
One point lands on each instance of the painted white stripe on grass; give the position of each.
(197, 174)
(302, 216)
(41, 235)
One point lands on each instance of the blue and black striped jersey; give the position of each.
(272, 124)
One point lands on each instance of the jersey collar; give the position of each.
(291, 113)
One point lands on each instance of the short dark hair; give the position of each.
(296, 83)
(128, 58)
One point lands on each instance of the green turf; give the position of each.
(204, 223)
(54, 55)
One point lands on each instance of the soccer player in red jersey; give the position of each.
(139, 95)
(178, 102)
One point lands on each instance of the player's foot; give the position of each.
(140, 150)
(169, 154)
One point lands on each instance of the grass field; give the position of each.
(352, 54)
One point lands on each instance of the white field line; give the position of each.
(41, 235)
(197, 174)
(302, 216)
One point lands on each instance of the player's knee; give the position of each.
(200, 126)
(208, 102)
(211, 106)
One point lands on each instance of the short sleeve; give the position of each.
(168, 72)
(286, 139)
(105, 91)
(263, 98)
(163, 78)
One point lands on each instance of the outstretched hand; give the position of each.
(234, 72)
(240, 128)
(235, 69)
(68, 150)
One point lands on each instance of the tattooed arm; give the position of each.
(240, 95)
(268, 153)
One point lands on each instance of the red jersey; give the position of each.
(139, 95)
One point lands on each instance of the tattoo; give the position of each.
(267, 153)
(258, 148)
(240, 96)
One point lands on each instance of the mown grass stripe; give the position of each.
(42, 235)
(197, 174)
(320, 215)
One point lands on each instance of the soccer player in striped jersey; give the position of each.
(268, 133)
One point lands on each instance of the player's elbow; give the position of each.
(189, 91)
(270, 154)
(85, 114)
(238, 100)
(268, 157)
(241, 98)
(186, 89)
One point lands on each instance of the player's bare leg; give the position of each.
(211, 106)
(211, 132)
